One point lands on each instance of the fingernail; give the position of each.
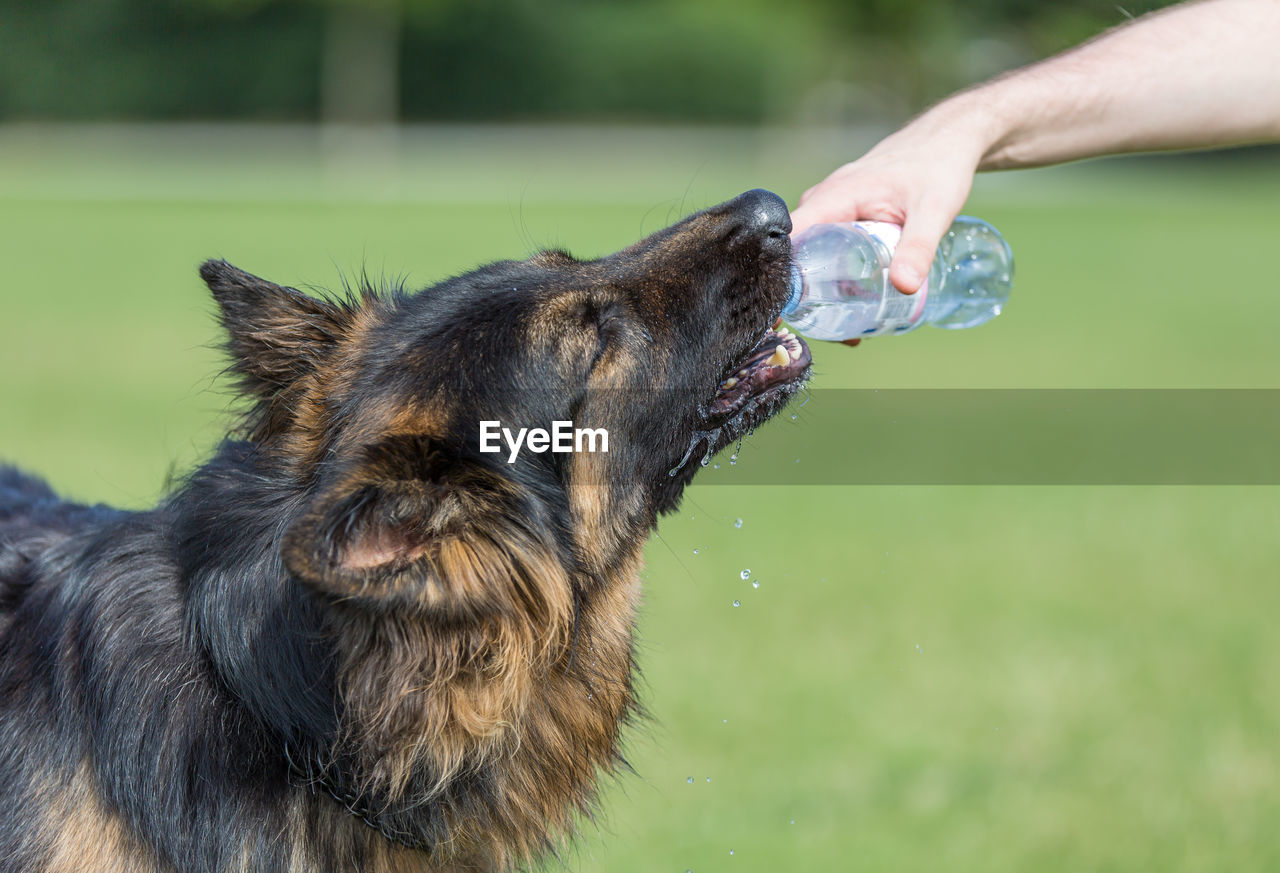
(912, 280)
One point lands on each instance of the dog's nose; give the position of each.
(762, 215)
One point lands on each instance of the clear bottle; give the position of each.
(840, 286)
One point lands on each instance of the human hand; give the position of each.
(918, 177)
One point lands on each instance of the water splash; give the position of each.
(738, 523)
(712, 439)
(736, 604)
(745, 574)
(688, 453)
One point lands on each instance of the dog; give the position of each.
(353, 639)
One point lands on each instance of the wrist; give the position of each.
(970, 123)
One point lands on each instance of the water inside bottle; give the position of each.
(974, 270)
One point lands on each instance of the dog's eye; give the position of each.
(606, 326)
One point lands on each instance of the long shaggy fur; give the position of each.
(350, 640)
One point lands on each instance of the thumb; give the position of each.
(920, 237)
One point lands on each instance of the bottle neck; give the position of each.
(797, 291)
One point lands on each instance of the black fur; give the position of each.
(178, 686)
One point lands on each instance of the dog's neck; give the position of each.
(483, 737)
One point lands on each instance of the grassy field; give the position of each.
(927, 678)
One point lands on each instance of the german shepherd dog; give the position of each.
(352, 640)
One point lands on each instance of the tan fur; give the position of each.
(84, 835)
(503, 691)
(599, 508)
(416, 693)
(312, 397)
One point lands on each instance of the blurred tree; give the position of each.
(373, 61)
(140, 59)
(360, 74)
(360, 58)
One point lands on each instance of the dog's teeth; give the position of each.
(782, 331)
(729, 383)
(779, 358)
(742, 374)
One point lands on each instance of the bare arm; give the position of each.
(1196, 75)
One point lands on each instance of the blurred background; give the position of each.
(925, 678)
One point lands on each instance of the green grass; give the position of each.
(928, 678)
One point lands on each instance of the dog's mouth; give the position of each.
(758, 385)
(754, 388)
(770, 371)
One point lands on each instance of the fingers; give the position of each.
(921, 234)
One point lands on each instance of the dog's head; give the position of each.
(383, 405)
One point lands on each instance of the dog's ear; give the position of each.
(412, 526)
(275, 334)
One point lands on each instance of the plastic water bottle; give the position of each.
(840, 286)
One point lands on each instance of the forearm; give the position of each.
(1198, 75)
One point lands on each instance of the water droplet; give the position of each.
(918, 649)
(738, 523)
(688, 453)
(793, 821)
(755, 583)
(731, 851)
(695, 551)
(793, 416)
(726, 721)
(689, 780)
(737, 603)
(745, 574)
(708, 778)
(715, 466)
(712, 439)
